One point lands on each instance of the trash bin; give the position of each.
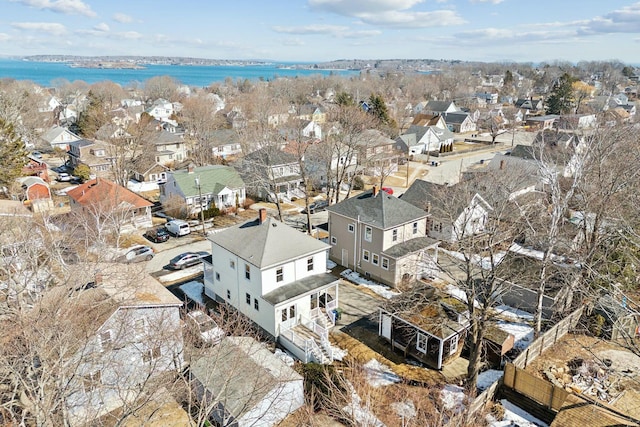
(337, 314)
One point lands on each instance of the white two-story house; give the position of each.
(128, 332)
(277, 277)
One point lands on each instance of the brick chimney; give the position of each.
(262, 215)
(190, 168)
(374, 190)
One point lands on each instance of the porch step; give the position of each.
(306, 333)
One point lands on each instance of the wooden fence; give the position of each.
(542, 391)
(548, 339)
(543, 342)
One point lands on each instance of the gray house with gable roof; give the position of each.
(220, 186)
(277, 277)
(382, 237)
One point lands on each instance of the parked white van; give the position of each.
(178, 227)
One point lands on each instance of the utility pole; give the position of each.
(200, 202)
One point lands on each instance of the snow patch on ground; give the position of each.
(338, 353)
(193, 290)
(181, 274)
(138, 187)
(515, 416)
(284, 356)
(453, 398)
(522, 333)
(382, 290)
(513, 313)
(330, 264)
(379, 374)
(362, 415)
(485, 263)
(486, 378)
(459, 294)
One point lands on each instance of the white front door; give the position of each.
(288, 317)
(385, 329)
(345, 258)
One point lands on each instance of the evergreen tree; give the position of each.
(561, 99)
(13, 155)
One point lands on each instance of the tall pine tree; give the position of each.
(561, 99)
(13, 155)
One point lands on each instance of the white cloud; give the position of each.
(389, 13)
(4, 37)
(311, 29)
(67, 7)
(625, 20)
(101, 27)
(438, 18)
(122, 18)
(128, 35)
(487, 1)
(45, 27)
(358, 7)
(331, 30)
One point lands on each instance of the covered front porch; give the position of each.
(305, 312)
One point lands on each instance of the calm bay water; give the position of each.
(46, 73)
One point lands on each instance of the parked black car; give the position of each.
(318, 206)
(157, 235)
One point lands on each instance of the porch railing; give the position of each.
(317, 328)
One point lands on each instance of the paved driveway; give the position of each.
(355, 304)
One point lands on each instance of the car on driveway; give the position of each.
(203, 328)
(138, 253)
(187, 259)
(318, 206)
(65, 177)
(157, 235)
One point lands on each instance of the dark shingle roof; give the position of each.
(410, 246)
(383, 211)
(300, 287)
(421, 192)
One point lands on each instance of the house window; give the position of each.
(106, 340)
(279, 275)
(415, 227)
(248, 298)
(247, 272)
(285, 313)
(314, 301)
(367, 233)
(91, 380)
(292, 312)
(334, 240)
(453, 345)
(152, 354)
(228, 294)
(421, 342)
(351, 228)
(365, 255)
(232, 264)
(394, 235)
(385, 263)
(310, 264)
(217, 276)
(255, 304)
(375, 259)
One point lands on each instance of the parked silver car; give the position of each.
(187, 259)
(138, 253)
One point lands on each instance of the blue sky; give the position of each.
(322, 30)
